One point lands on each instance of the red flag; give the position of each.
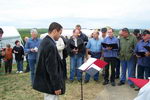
(139, 82)
(100, 63)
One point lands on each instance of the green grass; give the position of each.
(18, 87)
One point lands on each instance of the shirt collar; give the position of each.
(33, 39)
(110, 37)
(146, 41)
(127, 38)
(96, 39)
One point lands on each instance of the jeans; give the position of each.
(127, 64)
(19, 65)
(27, 67)
(143, 71)
(96, 76)
(75, 63)
(32, 63)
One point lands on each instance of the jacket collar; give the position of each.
(51, 39)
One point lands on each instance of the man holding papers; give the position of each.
(76, 51)
(110, 48)
(143, 59)
(94, 49)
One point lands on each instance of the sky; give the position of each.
(87, 13)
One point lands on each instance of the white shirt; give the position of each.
(75, 40)
(60, 46)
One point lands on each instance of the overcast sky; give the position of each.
(88, 13)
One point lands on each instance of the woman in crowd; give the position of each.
(19, 55)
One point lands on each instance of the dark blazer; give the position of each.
(80, 46)
(49, 68)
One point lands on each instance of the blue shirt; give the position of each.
(94, 45)
(113, 52)
(143, 61)
(32, 43)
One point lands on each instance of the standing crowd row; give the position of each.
(129, 55)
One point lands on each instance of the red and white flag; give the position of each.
(139, 82)
(92, 66)
(144, 93)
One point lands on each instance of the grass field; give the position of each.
(17, 87)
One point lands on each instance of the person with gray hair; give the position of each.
(31, 48)
(33, 31)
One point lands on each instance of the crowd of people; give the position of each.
(125, 58)
(127, 52)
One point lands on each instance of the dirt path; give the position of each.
(117, 93)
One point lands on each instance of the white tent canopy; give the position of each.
(10, 35)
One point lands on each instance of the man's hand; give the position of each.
(3, 53)
(109, 48)
(138, 56)
(75, 51)
(32, 50)
(147, 54)
(87, 57)
(58, 92)
(15, 51)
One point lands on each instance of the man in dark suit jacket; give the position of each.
(49, 77)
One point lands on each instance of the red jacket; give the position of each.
(8, 54)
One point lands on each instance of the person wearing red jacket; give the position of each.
(8, 58)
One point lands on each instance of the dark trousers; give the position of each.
(134, 66)
(64, 68)
(143, 71)
(8, 66)
(117, 67)
(111, 61)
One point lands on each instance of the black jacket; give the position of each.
(84, 38)
(49, 68)
(80, 46)
(20, 55)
